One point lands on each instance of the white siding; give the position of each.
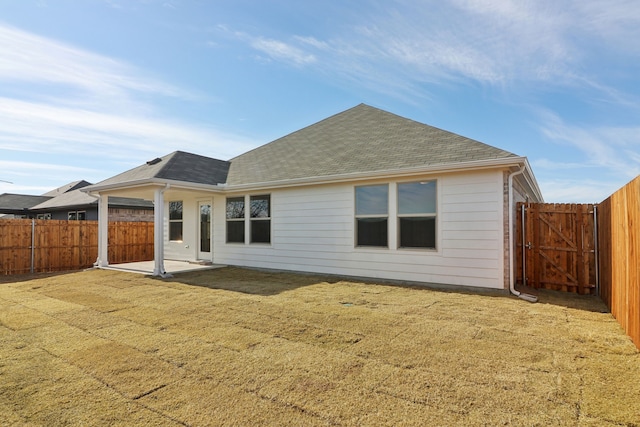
(313, 231)
(187, 248)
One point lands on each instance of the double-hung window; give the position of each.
(260, 217)
(235, 220)
(372, 212)
(77, 215)
(417, 214)
(175, 221)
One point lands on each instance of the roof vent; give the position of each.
(154, 161)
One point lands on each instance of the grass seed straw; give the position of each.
(237, 346)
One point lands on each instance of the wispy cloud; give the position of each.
(19, 168)
(577, 190)
(26, 126)
(495, 43)
(20, 171)
(282, 51)
(543, 163)
(615, 149)
(29, 58)
(57, 99)
(611, 152)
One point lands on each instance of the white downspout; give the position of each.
(512, 288)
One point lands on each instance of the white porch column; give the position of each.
(158, 232)
(103, 231)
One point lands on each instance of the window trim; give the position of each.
(433, 215)
(227, 220)
(252, 219)
(357, 216)
(76, 215)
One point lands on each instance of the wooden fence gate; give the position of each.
(556, 247)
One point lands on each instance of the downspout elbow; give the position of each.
(512, 288)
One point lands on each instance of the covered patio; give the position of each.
(181, 186)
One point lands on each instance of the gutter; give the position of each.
(319, 180)
(97, 188)
(512, 288)
(389, 173)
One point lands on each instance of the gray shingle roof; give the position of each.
(14, 203)
(67, 187)
(77, 198)
(361, 139)
(178, 166)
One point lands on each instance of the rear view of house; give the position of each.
(362, 193)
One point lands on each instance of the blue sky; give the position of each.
(91, 88)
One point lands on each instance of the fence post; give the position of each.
(33, 243)
(596, 249)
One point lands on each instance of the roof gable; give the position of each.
(75, 185)
(361, 139)
(177, 166)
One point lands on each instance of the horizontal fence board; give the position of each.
(69, 245)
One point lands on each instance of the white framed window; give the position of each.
(77, 215)
(235, 219)
(43, 216)
(372, 215)
(175, 221)
(417, 214)
(260, 218)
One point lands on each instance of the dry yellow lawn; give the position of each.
(242, 347)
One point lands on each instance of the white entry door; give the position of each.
(204, 231)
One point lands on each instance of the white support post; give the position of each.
(158, 233)
(103, 231)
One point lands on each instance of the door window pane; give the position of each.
(205, 228)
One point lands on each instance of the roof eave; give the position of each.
(532, 182)
(153, 182)
(515, 161)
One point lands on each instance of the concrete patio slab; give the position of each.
(170, 266)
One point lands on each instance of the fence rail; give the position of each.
(50, 245)
(619, 253)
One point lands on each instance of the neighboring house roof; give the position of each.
(177, 166)
(76, 198)
(359, 140)
(75, 185)
(18, 203)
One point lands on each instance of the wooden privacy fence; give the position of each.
(619, 243)
(556, 247)
(586, 249)
(50, 245)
